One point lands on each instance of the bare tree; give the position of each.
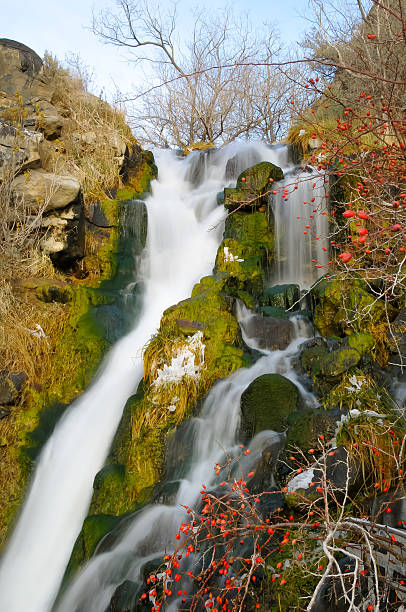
(227, 88)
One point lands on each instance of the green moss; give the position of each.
(143, 174)
(362, 342)
(249, 238)
(252, 186)
(93, 530)
(255, 229)
(267, 403)
(346, 306)
(334, 364)
(258, 177)
(305, 427)
(311, 357)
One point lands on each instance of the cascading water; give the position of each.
(179, 251)
(301, 228)
(150, 534)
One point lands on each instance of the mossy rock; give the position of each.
(346, 306)
(267, 403)
(245, 254)
(311, 356)
(252, 184)
(256, 229)
(305, 428)
(337, 362)
(274, 311)
(110, 495)
(362, 342)
(94, 528)
(257, 178)
(281, 296)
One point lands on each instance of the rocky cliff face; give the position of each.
(51, 133)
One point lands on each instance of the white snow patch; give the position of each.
(301, 481)
(229, 257)
(187, 361)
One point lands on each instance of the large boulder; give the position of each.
(40, 188)
(21, 70)
(267, 403)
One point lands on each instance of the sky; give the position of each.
(62, 27)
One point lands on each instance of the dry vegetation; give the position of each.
(89, 146)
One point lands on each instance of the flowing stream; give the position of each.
(180, 250)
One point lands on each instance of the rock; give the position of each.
(47, 120)
(362, 342)
(337, 302)
(139, 168)
(125, 598)
(257, 181)
(273, 311)
(281, 296)
(312, 352)
(94, 529)
(340, 466)
(339, 361)
(21, 70)
(270, 333)
(64, 240)
(109, 481)
(267, 403)
(18, 151)
(305, 427)
(257, 178)
(397, 334)
(4, 412)
(53, 190)
(10, 386)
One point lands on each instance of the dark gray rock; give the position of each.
(281, 296)
(270, 333)
(339, 467)
(10, 386)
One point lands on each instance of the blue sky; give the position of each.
(61, 27)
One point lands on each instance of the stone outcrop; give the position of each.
(45, 189)
(35, 126)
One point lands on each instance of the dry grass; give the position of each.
(91, 130)
(20, 349)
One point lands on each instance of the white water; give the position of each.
(179, 251)
(298, 253)
(151, 533)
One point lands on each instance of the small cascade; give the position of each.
(301, 228)
(149, 535)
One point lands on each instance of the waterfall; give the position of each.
(180, 250)
(301, 228)
(150, 534)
